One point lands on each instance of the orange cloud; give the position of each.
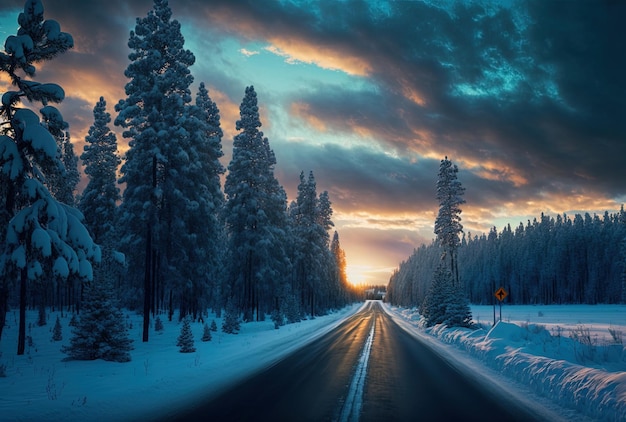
(303, 111)
(297, 50)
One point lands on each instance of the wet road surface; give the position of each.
(367, 369)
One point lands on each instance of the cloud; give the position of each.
(527, 100)
(247, 52)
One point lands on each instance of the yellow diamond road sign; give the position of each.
(501, 294)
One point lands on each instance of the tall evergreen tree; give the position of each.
(448, 225)
(311, 221)
(63, 184)
(101, 195)
(340, 279)
(154, 115)
(199, 184)
(43, 236)
(255, 216)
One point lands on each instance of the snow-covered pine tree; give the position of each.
(448, 225)
(158, 324)
(449, 305)
(436, 306)
(199, 204)
(278, 317)
(57, 331)
(310, 219)
(206, 333)
(230, 325)
(101, 331)
(43, 236)
(41, 319)
(63, 183)
(185, 339)
(255, 216)
(98, 201)
(154, 115)
(458, 312)
(213, 325)
(340, 279)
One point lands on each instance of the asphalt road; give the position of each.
(367, 369)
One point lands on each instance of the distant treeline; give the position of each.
(550, 260)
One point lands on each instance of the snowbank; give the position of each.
(572, 365)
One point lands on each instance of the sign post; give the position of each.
(500, 294)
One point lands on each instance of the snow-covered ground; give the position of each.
(569, 356)
(530, 350)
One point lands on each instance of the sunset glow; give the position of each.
(370, 98)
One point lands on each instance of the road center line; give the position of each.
(351, 409)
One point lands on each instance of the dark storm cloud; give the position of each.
(360, 179)
(537, 88)
(438, 77)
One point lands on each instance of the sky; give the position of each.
(527, 98)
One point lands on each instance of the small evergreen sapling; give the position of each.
(279, 318)
(185, 339)
(231, 320)
(158, 325)
(213, 326)
(57, 334)
(206, 334)
(101, 331)
(41, 320)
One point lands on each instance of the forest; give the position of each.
(550, 260)
(154, 230)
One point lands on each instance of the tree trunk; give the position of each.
(4, 304)
(21, 339)
(147, 281)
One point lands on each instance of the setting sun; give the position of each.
(357, 274)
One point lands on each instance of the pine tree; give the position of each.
(185, 339)
(101, 331)
(448, 225)
(41, 319)
(44, 236)
(57, 331)
(230, 325)
(278, 317)
(206, 333)
(310, 218)
(255, 216)
(158, 324)
(199, 203)
(99, 199)
(340, 278)
(213, 325)
(436, 306)
(63, 182)
(153, 115)
(446, 301)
